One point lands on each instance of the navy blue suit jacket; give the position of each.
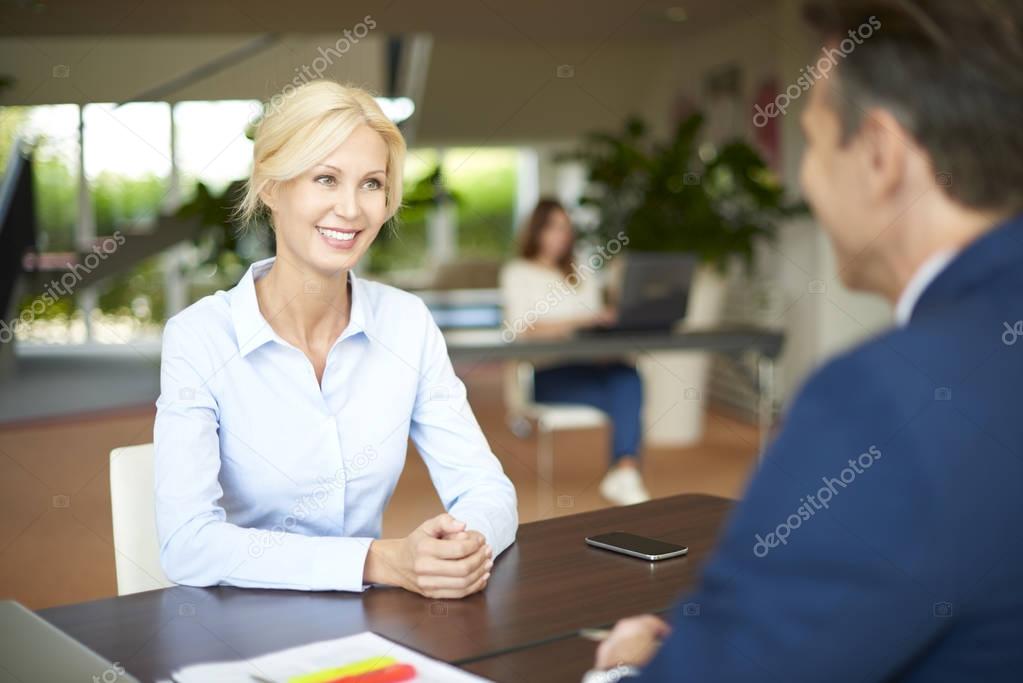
(881, 538)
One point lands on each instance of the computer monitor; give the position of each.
(655, 290)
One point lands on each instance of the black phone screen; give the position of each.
(639, 544)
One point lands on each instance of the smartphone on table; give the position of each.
(637, 546)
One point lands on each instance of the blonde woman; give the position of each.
(286, 403)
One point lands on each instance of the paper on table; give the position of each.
(279, 666)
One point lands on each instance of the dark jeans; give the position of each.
(614, 388)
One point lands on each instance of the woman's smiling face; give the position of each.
(326, 218)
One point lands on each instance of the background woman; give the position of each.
(543, 289)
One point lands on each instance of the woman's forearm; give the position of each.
(381, 563)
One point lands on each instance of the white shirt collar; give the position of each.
(251, 328)
(922, 278)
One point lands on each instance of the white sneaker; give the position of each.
(624, 486)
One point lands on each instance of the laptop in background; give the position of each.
(32, 649)
(655, 293)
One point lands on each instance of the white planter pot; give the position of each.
(675, 382)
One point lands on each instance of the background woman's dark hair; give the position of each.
(529, 246)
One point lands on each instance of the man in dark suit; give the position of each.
(880, 539)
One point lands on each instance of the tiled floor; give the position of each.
(55, 533)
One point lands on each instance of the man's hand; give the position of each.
(440, 559)
(633, 641)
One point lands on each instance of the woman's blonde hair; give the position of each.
(297, 130)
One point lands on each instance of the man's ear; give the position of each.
(886, 146)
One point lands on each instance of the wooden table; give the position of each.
(557, 661)
(542, 590)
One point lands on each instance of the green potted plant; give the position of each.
(681, 195)
(224, 248)
(429, 201)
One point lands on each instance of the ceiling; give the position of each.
(499, 73)
(543, 22)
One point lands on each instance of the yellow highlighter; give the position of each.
(353, 669)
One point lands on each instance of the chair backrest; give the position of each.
(133, 505)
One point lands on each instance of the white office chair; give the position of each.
(522, 410)
(133, 504)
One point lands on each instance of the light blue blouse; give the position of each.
(266, 479)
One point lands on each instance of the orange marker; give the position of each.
(391, 674)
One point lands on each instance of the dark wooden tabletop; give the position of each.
(543, 588)
(558, 661)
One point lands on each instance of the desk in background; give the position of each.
(471, 320)
(732, 342)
